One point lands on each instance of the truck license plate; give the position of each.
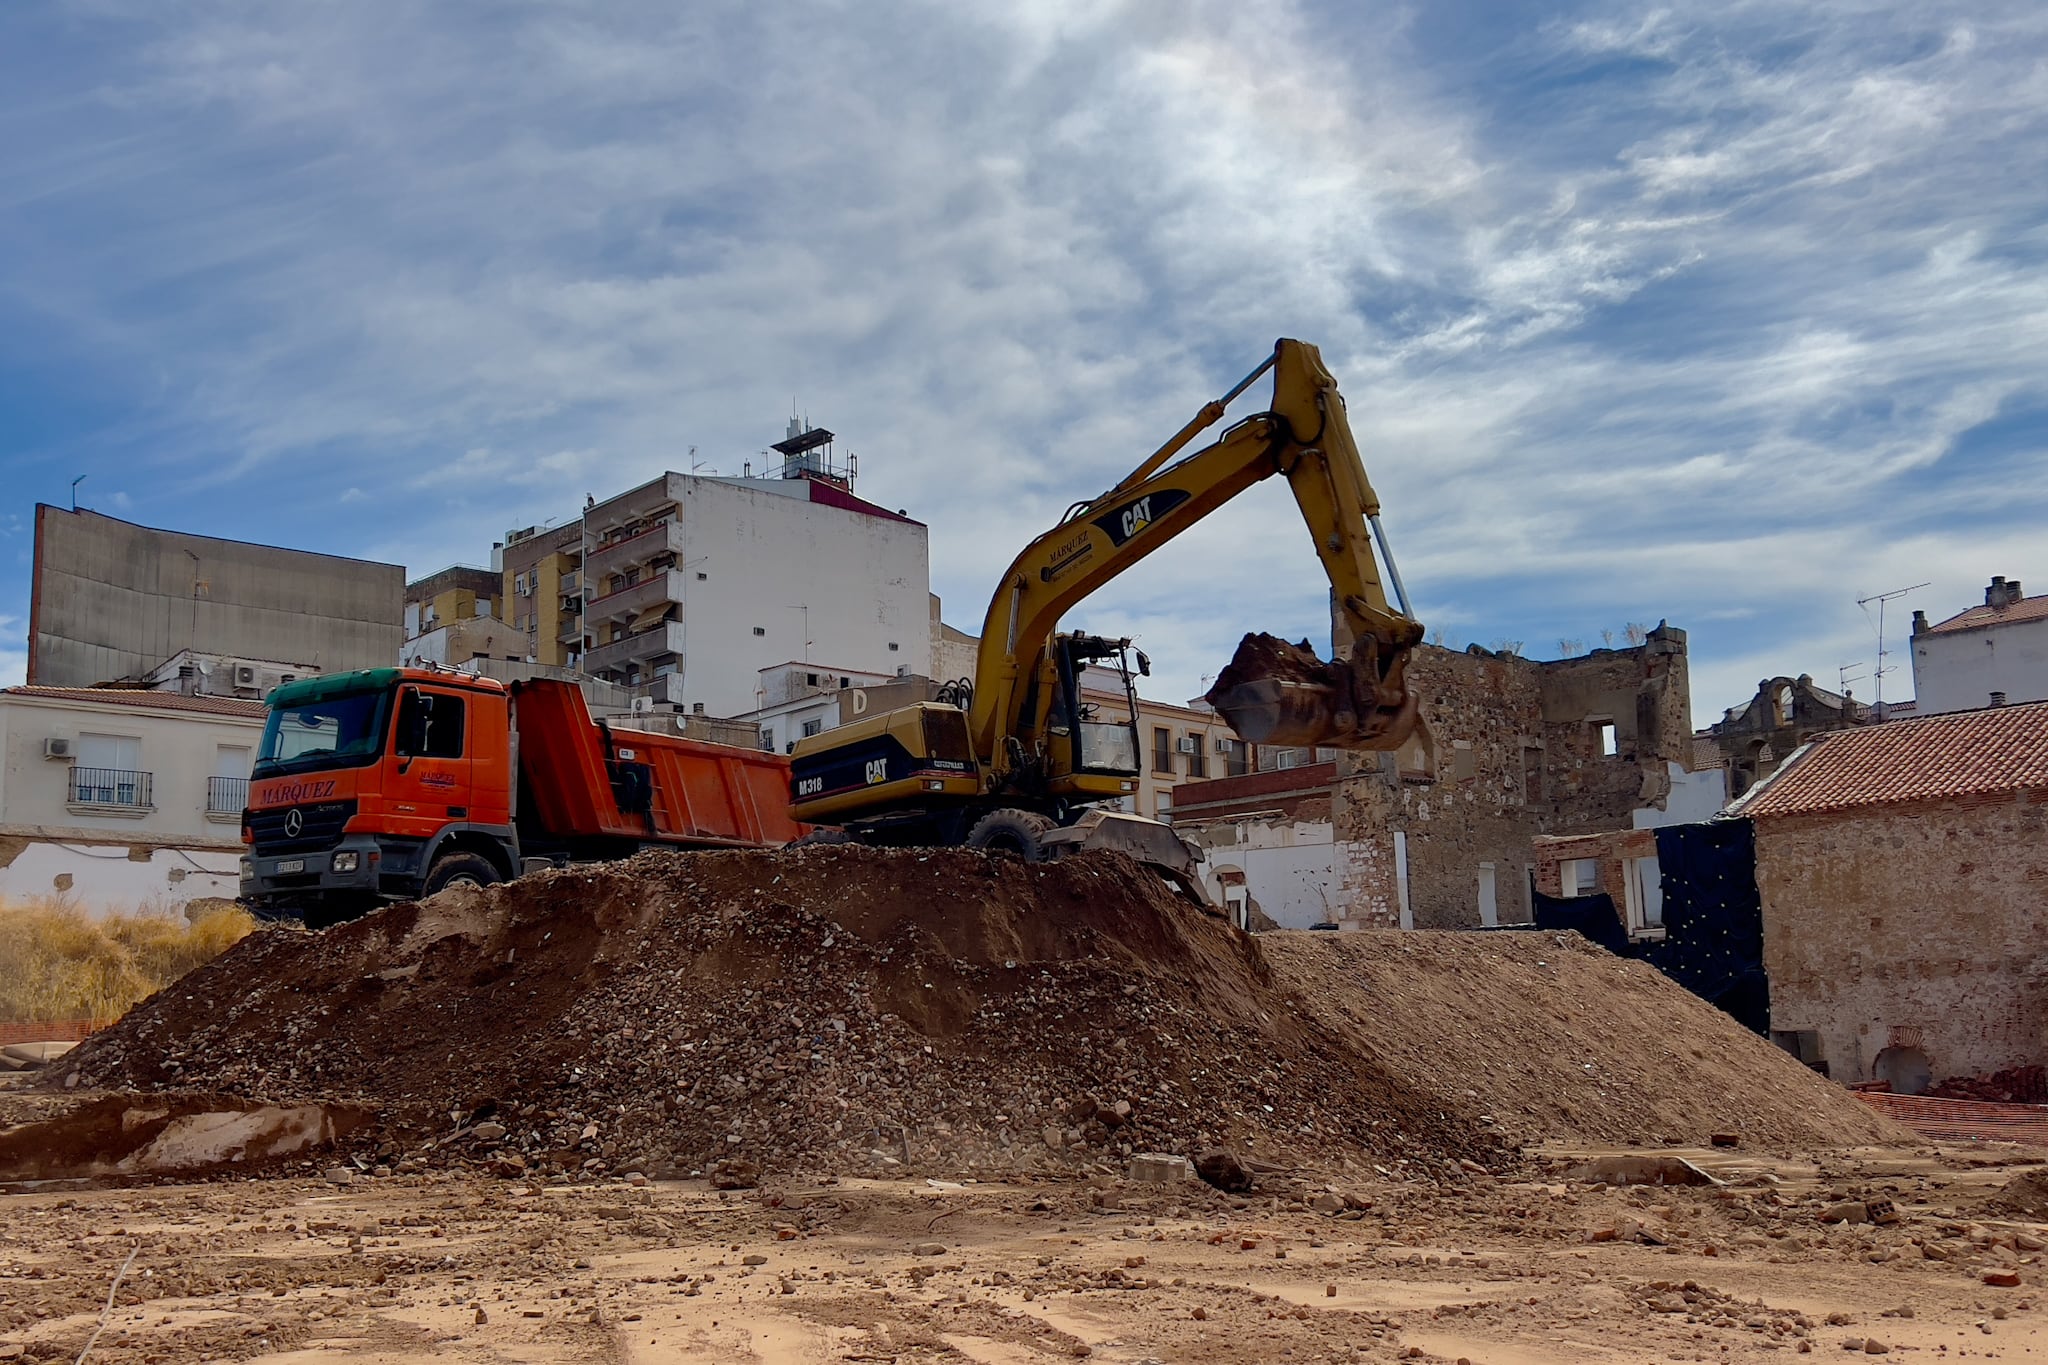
(291, 865)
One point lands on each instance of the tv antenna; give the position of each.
(1882, 667)
(1843, 677)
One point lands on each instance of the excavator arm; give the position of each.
(1272, 692)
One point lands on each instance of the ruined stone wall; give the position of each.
(1509, 749)
(1610, 851)
(1910, 927)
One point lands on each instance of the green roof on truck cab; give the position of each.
(329, 685)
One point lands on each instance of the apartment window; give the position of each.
(1198, 762)
(813, 727)
(760, 630)
(1579, 876)
(703, 577)
(1233, 751)
(1162, 750)
(227, 791)
(767, 739)
(106, 772)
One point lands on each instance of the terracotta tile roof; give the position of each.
(1706, 753)
(144, 700)
(1963, 753)
(2026, 609)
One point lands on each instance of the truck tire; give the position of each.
(1011, 831)
(459, 869)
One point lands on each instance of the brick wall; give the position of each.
(1609, 850)
(1509, 750)
(1917, 924)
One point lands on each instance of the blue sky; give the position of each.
(1723, 313)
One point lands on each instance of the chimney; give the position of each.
(1998, 698)
(1919, 622)
(2001, 594)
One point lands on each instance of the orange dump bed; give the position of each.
(639, 785)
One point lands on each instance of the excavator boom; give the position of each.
(1272, 692)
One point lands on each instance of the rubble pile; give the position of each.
(726, 1012)
(940, 1011)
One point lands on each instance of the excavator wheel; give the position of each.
(1013, 831)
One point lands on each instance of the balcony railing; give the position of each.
(666, 638)
(115, 788)
(610, 558)
(625, 603)
(226, 795)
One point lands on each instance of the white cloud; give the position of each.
(1709, 338)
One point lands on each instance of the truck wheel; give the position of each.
(1012, 831)
(459, 869)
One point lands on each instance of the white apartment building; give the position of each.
(1995, 654)
(799, 699)
(120, 799)
(691, 585)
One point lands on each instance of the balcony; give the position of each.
(615, 655)
(652, 590)
(225, 797)
(110, 791)
(605, 560)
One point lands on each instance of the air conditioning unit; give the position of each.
(1189, 744)
(56, 747)
(642, 705)
(245, 675)
(1225, 746)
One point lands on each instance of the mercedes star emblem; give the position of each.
(294, 823)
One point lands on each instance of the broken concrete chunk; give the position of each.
(1223, 1170)
(734, 1173)
(1641, 1170)
(1160, 1168)
(1847, 1211)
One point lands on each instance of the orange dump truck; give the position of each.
(392, 783)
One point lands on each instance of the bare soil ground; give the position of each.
(1540, 1271)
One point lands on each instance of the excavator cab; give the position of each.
(1100, 723)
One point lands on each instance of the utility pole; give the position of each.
(1882, 667)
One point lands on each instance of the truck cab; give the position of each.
(368, 784)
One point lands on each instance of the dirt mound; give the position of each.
(928, 1009)
(940, 1011)
(1554, 1038)
(2026, 1194)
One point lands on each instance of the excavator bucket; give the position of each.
(1274, 692)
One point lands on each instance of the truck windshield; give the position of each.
(339, 731)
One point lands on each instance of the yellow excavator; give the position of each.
(1017, 757)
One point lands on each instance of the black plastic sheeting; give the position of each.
(1592, 916)
(1713, 941)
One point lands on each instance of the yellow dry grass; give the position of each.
(59, 963)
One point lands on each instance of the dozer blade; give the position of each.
(1150, 842)
(1274, 692)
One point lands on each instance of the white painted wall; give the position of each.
(104, 880)
(119, 859)
(1694, 797)
(1294, 871)
(821, 583)
(1959, 670)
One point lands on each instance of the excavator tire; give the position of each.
(1012, 831)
